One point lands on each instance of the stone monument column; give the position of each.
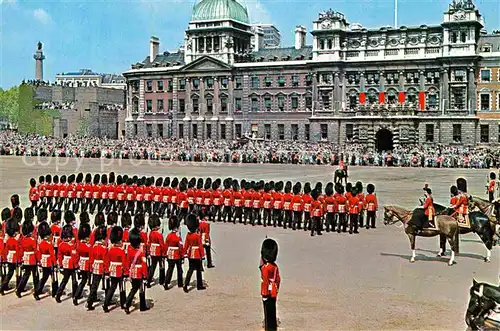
(39, 57)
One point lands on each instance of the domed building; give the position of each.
(379, 87)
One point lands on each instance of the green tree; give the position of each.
(9, 105)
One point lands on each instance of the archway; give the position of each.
(383, 140)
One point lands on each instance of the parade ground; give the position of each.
(334, 281)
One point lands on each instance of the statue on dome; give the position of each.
(39, 46)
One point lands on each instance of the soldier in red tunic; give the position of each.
(193, 250)
(70, 192)
(371, 206)
(12, 254)
(267, 204)
(317, 212)
(138, 272)
(278, 205)
(98, 263)
(227, 196)
(28, 253)
(83, 249)
(34, 195)
(238, 202)
(287, 206)
(130, 196)
(429, 207)
(270, 282)
(118, 268)
(67, 258)
(49, 193)
(157, 195)
(307, 199)
(353, 206)
(46, 258)
(148, 195)
(126, 223)
(182, 202)
(199, 194)
(62, 193)
(204, 229)
(156, 249)
(330, 205)
(174, 190)
(111, 188)
(79, 193)
(342, 210)
(99, 221)
(87, 189)
(55, 193)
(103, 194)
(297, 206)
(41, 191)
(120, 193)
(190, 194)
(174, 253)
(216, 201)
(96, 193)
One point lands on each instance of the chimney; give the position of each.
(154, 48)
(300, 36)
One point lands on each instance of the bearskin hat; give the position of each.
(104, 179)
(329, 189)
(63, 179)
(44, 230)
(315, 194)
(41, 179)
(214, 186)
(55, 216)
(17, 214)
(67, 232)
(269, 250)
(100, 233)
(288, 187)
(126, 220)
(182, 187)
(235, 184)
(462, 184)
(218, 181)
(307, 188)
(29, 214)
(14, 200)
(48, 178)
(55, 179)
(341, 189)
(253, 185)
(158, 182)
(359, 186)
(175, 182)
(173, 223)
(348, 187)
(135, 178)
(84, 218)
(208, 185)
(112, 218)
(97, 179)
(354, 191)
(71, 178)
(144, 180)
(140, 182)
(267, 187)
(192, 223)
(209, 181)
(139, 221)
(248, 186)
(88, 178)
(370, 188)
(119, 180)
(227, 184)
(84, 231)
(272, 185)
(69, 216)
(111, 178)
(296, 189)
(12, 227)
(319, 187)
(79, 178)
(116, 234)
(493, 176)
(41, 215)
(154, 221)
(134, 237)
(242, 183)
(125, 178)
(27, 228)
(454, 190)
(151, 180)
(130, 181)
(32, 182)
(166, 182)
(99, 219)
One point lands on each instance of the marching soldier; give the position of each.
(317, 213)
(138, 273)
(87, 189)
(28, 247)
(204, 229)
(12, 253)
(41, 191)
(98, 262)
(248, 203)
(361, 198)
(190, 194)
(67, 257)
(121, 195)
(103, 194)
(353, 206)
(130, 196)
(126, 223)
(118, 268)
(63, 193)
(70, 192)
(267, 204)
(207, 199)
(270, 282)
(111, 188)
(278, 204)
(47, 259)
(492, 186)
(307, 199)
(287, 205)
(193, 250)
(182, 202)
(174, 248)
(217, 201)
(157, 196)
(34, 194)
(297, 206)
(227, 196)
(96, 194)
(79, 193)
(148, 195)
(371, 206)
(55, 192)
(55, 228)
(156, 249)
(98, 222)
(83, 249)
(330, 205)
(238, 203)
(257, 204)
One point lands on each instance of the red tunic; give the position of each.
(70, 191)
(371, 203)
(33, 194)
(307, 202)
(193, 246)
(166, 193)
(182, 200)
(271, 280)
(248, 199)
(207, 197)
(79, 191)
(278, 200)
(217, 198)
(156, 244)
(28, 250)
(267, 201)
(83, 250)
(198, 197)
(287, 201)
(41, 190)
(88, 190)
(157, 194)
(144, 241)
(174, 247)
(12, 251)
(330, 204)
(227, 195)
(139, 193)
(63, 190)
(118, 263)
(317, 208)
(341, 204)
(361, 198)
(137, 262)
(67, 256)
(257, 199)
(353, 205)
(96, 191)
(120, 191)
(205, 233)
(46, 254)
(99, 259)
(297, 202)
(49, 187)
(238, 199)
(148, 193)
(173, 195)
(429, 207)
(190, 196)
(130, 193)
(56, 234)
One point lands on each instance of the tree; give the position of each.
(9, 105)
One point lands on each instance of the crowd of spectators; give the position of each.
(12, 143)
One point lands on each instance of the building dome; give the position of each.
(209, 10)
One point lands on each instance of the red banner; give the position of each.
(362, 98)
(401, 97)
(421, 100)
(381, 97)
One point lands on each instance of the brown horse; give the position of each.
(447, 227)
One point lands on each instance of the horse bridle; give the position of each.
(389, 218)
(482, 308)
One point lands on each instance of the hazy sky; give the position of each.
(108, 36)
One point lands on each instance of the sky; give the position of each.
(107, 36)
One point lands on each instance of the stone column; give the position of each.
(336, 91)
(230, 97)
(203, 103)
(343, 91)
(188, 101)
(421, 81)
(315, 101)
(129, 101)
(381, 83)
(362, 82)
(216, 100)
(401, 81)
(445, 95)
(141, 99)
(471, 92)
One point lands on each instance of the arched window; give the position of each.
(454, 37)
(372, 97)
(392, 96)
(411, 96)
(463, 36)
(433, 99)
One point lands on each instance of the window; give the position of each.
(325, 78)
(223, 104)
(209, 131)
(411, 97)
(454, 37)
(196, 105)
(485, 75)
(295, 81)
(281, 131)
(268, 81)
(149, 130)
(307, 132)
(237, 129)
(223, 131)
(238, 84)
(135, 106)
(485, 133)
(460, 75)
(281, 102)
(159, 128)
(458, 98)
(182, 84)
(149, 106)
(457, 133)
(429, 133)
(159, 85)
(295, 132)
(281, 81)
(170, 105)
(321, 44)
(196, 84)
(210, 104)
(255, 82)
(267, 130)
(159, 105)
(209, 82)
(372, 97)
(255, 104)
(237, 104)
(329, 44)
(267, 103)
(195, 131)
(463, 36)
(485, 102)
(309, 102)
(182, 105)
(433, 100)
(324, 131)
(325, 99)
(224, 83)
(353, 101)
(295, 102)
(349, 131)
(149, 86)
(181, 131)
(135, 129)
(309, 80)
(170, 87)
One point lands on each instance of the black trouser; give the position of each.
(34, 205)
(183, 214)
(60, 202)
(76, 204)
(103, 203)
(11, 268)
(137, 284)
(316, 225)
(297, 220)
(67, 273)
(491, 196)
(270, 320)
(28, 270)
(210, 212)
(148, 207)
(226, 213)
(216, 213)
(277, 219)
(194, 265)
(131, 207)
(370, 219)
(96, 280)
(155, 260)
(247, 215)
(353, 224)
(170, 271)
(95, 204)
(111, 206)
(51, 203)
(287, 219)
(361, 218)
(68, 203)
(85, 278)
(342, 222)
(330, 222)
(121, 206)
(307, 221)
(85, 204)
(46, 273)
(157, 207)
(115, 281)
(208, 254)
(267, 217)
(238, 214)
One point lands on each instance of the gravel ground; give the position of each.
(336, 281)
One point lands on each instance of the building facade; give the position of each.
(87, 78)
(378, 87)
(271, 35)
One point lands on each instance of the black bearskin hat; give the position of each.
(97, 179)
(208, 185)
(218, 181)
(140, 181)
(41, 215)
(17, 214)
(359, 187)
(248, 186)
(288, 187)
(158, 182)
(192, 182)
(307, 188)
(454, 190)
(67, 232)
(272, 185)
(269, 250)
(71, 178)
(84, 218)
(227, 183)
(139, 221)
(199, 183)
(493, 175)
(69, 217)
(370, 188)
(32, 182)
(41, 179)
(462, 185)
(111, 178)
(329, 189)
(119, 180)
(348, 187)
(242, 183)
(29, 214)
(134, 237)
(55, 179)
(12, 227)
(173, 223)
(175, 182)
(99, 219)
(125, 178)
(88, 178)
(130, 181)
(116, 235)
(214, 186)
(27, 228)
(14, 200)
(154, 221)
(63, 179)
(319, 187)
(267, 187)
(84, 231)
(112, 218)
(79, 178)
(341, 189)
(126, 220)
(166, 182)
(104, 179)
(48, 179)
(100, 233)
(315, 194)
(44, 230)
(192, 223)
(56, 216)
(135, 178)
(182, 187)
(296, 189)
(235, 184)
(299, 185)
(354, 191)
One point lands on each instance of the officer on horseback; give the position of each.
(463, 204)
(429, 206)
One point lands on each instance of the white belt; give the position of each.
(115, 263)
(174, 248)
(83, 258)
(98, 261)
(29, 253)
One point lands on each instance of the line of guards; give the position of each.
(107, 255)
(256, 202)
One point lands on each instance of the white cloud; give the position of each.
(42, 16)
(257, 12)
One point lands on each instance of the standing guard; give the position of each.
(156, 250)
(227, 196)
(297, 206)
(278, 205)
(307, 206)
(317, 213)
(267, 204)
(83, 250)
(12, 254)
(492, 186)
(98, 262)
(238, 203)
(67, 257)
(248, 203)
(138, 273)
(117, 269)
(353, 206)
(47, 259)
(371, 206)
(28, 247)
(34, 194)
(330, 204)
(193, 250)
(174, 248)
(361, 199)
(270, 282)
(204, 229)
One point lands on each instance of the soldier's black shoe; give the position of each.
(127, 310)
(90, 307)
(58, 299)
(75, 301)
(367, 227)
(350, 231)
(201, 288)
(356, 231)
(18, 294)
(320, 234)
(35, 295)
(105, 308)
(185, 289)
(210, 266)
